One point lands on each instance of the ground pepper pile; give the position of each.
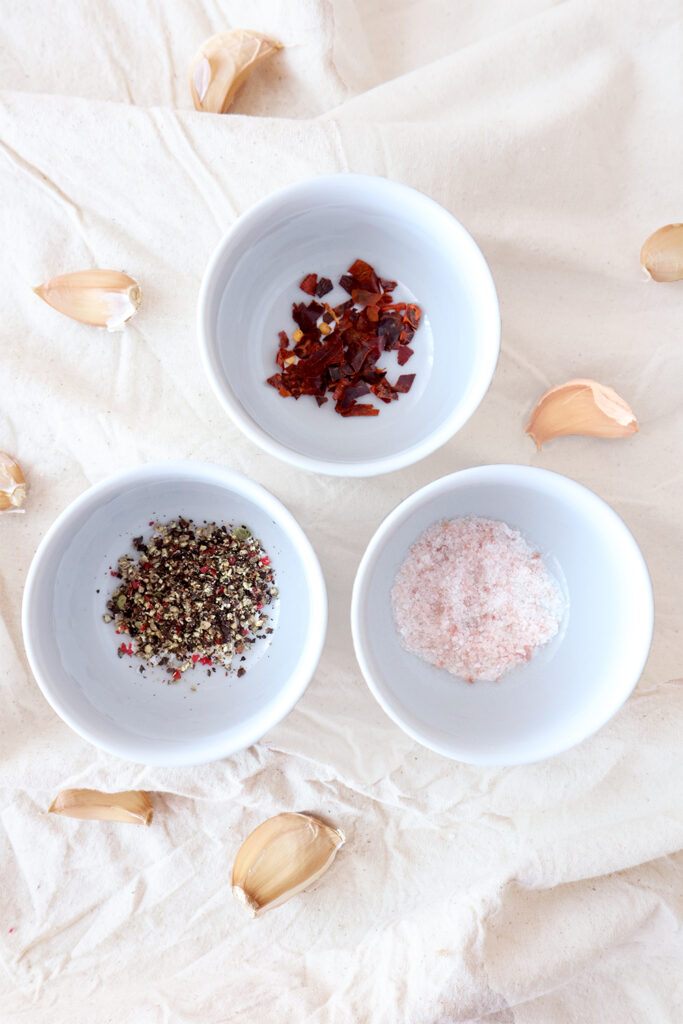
(193, 596)
(334, 350)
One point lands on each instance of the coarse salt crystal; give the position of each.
(473, 597)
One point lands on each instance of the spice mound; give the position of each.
(473, 597)
(335, 349)
(192, 596)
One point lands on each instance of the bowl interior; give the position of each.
(572, 685)
(322, 226)
(143, 717)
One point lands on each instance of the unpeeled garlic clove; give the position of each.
(282, 856)
(580, 406)
(222, 63)
(104, 298)
(662, 254)
(132, 806)
(12, 484)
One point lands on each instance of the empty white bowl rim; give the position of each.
(478, 385)
(199, 751)
(495, 473)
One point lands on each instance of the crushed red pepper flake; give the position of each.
(309, 284)
(334, 350)
(323, 286)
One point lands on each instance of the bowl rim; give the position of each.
(498, 473)
(189, 753)
(250, 427)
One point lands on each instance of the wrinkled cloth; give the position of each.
(544, 894)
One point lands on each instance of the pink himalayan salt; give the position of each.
(474, 598)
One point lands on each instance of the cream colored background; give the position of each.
(548, 894)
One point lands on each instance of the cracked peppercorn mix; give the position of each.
(192, 595)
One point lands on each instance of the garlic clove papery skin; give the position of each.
(223, 63)
(12, 484)
(661, 256)
(281, 857)
(103, 298)
(131, 806)
(581, 406)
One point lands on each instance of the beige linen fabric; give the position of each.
(548, 894)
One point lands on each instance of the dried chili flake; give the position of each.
(323, 286)
(365, 275)
(309, 283)
(404, 383)
(413, 314)
(384, 391)
(306, 317)
(336, 348)
(362, 297)
(347, 282)
(360, 409)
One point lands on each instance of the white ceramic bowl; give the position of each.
(571, 687)
(321, 226)
(73, 653)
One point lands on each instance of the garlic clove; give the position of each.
(280, 858)
(104, 298)
(580, 406)
(132, 806)
(12, 484)
(662, 254)
(223, 63)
